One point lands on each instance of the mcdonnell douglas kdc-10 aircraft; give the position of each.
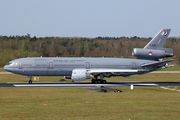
(79, 68)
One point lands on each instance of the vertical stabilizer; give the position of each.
(159, 40)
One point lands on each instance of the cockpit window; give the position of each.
(10, 63)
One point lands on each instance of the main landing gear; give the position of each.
(98, 81)
(30, 81)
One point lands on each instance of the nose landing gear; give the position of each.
(30, 81)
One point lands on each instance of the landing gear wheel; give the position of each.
(93, 81)
(99, 81)
(104, 81)
(30, 81)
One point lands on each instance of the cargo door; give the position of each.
(41, 66)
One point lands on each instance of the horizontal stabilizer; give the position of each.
(156, 63)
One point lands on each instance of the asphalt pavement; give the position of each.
(88, 84)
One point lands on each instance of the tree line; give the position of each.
(13, 47)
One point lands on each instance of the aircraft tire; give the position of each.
(99, 81)
(93, 81)
(104, 81)
(30, 81)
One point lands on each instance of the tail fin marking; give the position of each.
(159, 40)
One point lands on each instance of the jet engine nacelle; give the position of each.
(78, 75)
(150, 53)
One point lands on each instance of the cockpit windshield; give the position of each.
(10, 63)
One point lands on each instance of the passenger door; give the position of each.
(50, 65)
(20, 65)
(87, 65)
(134, 65)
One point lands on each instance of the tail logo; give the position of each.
(164, 33)
(150, 53)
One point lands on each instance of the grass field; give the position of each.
(2, 70)
(175, 68)
(150, 77)
(79, 104)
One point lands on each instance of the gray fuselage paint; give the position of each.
(53, 66)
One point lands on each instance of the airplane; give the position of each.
(148, 59)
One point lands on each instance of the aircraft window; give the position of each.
(10, 64)
(27, 64)
(68, 65)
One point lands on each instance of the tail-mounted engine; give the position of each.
(152, 53)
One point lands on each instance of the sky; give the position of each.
(89, 18)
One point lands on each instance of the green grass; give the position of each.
(79, 104)
(175, 68)
(2, 70)
(150, 77)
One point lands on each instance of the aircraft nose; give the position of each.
(6, 68)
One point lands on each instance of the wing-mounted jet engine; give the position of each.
(79, 75)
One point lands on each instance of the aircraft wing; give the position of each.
(97, 71)
(156, 63)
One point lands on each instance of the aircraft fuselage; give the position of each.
(61, 66)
